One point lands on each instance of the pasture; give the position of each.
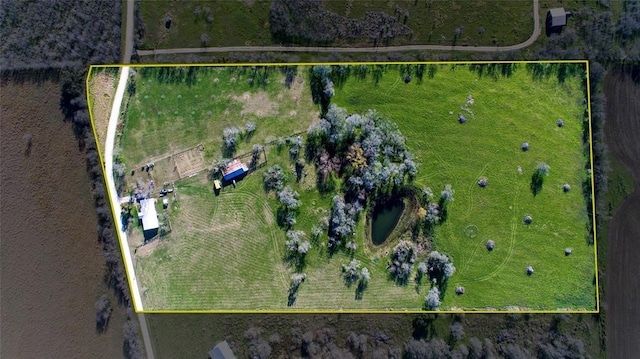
(226, 251)
(247, 23)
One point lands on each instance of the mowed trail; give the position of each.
(622, 131)
(218, 255)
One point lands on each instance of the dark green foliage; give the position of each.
(103, 313)
(131, 347)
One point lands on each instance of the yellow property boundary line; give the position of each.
(130, 275)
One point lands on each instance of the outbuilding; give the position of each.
(235, 169)
(149, 217)
(556, 20)
(221, 351)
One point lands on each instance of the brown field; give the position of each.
(51, 264)
(622, 131)
(102, 88)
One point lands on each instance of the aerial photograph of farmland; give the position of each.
(353, 187)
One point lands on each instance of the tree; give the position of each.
(230, 136)
(255, 155)
(274, 178)
(250, 127)
(439, 267)
(456, 331)
(103, 313)
(289, 198)
(350, 272)
(401, 262)
(432, 300)
(537, 178)
(204, 39)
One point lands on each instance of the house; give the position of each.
(556, 19)
(221, 351)
(234, 169)
(148, 214)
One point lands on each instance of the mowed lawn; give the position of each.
(506, 113)
(226, 252)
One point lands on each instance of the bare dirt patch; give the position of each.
(189, 162)
(257, 104)
(51, 263)
(102, 90)
(622, 130)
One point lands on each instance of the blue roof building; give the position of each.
(234, 170)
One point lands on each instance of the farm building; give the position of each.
(556, 19)
(221, 351)
(234, 170)
(148, 214)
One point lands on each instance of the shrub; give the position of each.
(568, 251)
(529, 270)
(490, 245)
(447, 194)
(103, 313)
(462, 119)
(250, 127)
(457, 332)
(566, 187)
(459, 290)
(527, 219)
(482, 182)
(525, 146)
(560, 123)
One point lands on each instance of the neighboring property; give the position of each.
(221, 351)
(556, 20)
(149, 217)
(234, 170)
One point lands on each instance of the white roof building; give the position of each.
(148, 214)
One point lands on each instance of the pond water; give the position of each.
(384, 221)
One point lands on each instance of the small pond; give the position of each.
(385, 218)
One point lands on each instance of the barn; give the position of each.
(235, 169)
(149, 217)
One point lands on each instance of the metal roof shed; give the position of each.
(557, 17)
(149, 214)
(221, 351)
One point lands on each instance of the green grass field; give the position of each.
(237, 23)
(226, 252)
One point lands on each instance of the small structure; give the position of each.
(149, 217)
(556, 20)
(235, 169)
(221, 351)
(165, 203)
(216, 185)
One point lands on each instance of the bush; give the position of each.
(482, 182)
(490, 245)
(525, 146)
(560, 123)
(566, 187)
(568, 251)
(529, 270)
(527, 219)
(460, 290)
(462, 119)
